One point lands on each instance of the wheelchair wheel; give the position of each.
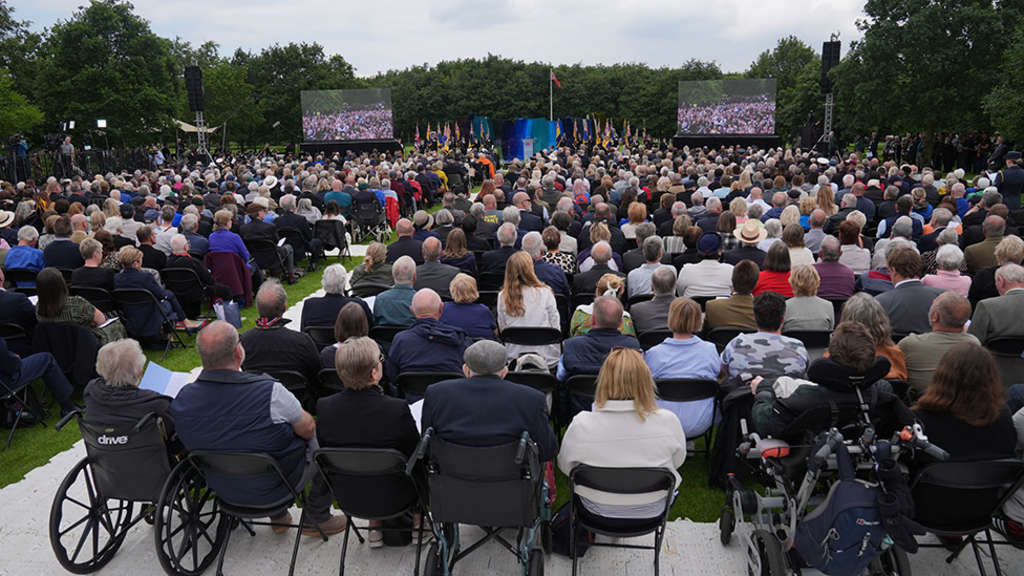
(892, 562)
(535, 566)
(726, 523)
(189, 529)
(547, 537)
(433, 566)
(86, 529)
(769, 552)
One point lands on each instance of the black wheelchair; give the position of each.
(495, 488)
(95, 506)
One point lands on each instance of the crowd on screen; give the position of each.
(731, 115)
(352, 122)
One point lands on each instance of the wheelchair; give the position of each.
(368, 219)
(95, 507)
(798, 466)
(495, 488)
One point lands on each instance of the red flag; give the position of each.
(555, 80)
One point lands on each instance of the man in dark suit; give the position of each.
(180, 258)
(634, 258)
(527, 220)
(474, 241)
(1001, 317)
(15, 372)
(91, 275)
(151, 256)
(908, 303)
(653, 314)
(324, 311)
(15, 308)
(586, 282)
(603, 213)
(212, 197)
(432, 273)
(940, 220)
(494, 261)
(483, 409)
(257, 229)
(292, 221)
(406, 245)
(709, 223)
(749, 235)
(62, 252)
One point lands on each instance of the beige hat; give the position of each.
(6, 218)
(422, 220)
(750, 232)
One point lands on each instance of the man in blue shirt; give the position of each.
(25, 256)
(392, 307)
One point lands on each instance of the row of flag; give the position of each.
(446, 137)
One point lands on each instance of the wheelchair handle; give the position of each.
(834, 438)
(143, 421)
(521, 450)
(67, 418)
(421, 449)
(916, 438)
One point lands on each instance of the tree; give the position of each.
(923, 66)
(796, 68)
(16, 114)
(1006, 101)
(106, 63)
(18, 50)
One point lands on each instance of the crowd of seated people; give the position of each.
(862, 276)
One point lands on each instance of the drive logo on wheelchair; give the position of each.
(112, 440)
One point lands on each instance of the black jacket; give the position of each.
(405, 246)
(63, 253)
(124, 405)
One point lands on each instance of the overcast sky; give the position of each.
(379, 36)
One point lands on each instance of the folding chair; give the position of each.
(323, 336)
(722, 336)
(543, 382)
(652, 338)
(837, 306)
(265, 253)
(98, 297)
(638, 299)
(371, 483)
(813, 339)
(581, 389)
(27, 397)
(294, 239)
(73, 346)
(384, 335)
(532, 336)
(66, 273)
(187, 288)
(495, 488)
(17, 339)
(233, 467)
(367, 289)
(999, 478)
(692, 390)
(332, 234)
(702, 301)
(582, 299)
(295, 383)
(630, 481)
(17, 275)
(488, 297)
(329, 380)
(415, 383)
(492, 280)
(138, 301)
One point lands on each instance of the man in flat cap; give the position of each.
(485, 410)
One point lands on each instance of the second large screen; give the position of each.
(347, 115)
(727, 107)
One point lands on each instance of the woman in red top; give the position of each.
(775, 277)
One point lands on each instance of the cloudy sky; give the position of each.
(394, 34)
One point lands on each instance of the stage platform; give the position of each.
(727, 140)
(357, 146)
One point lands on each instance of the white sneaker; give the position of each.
(375, 538)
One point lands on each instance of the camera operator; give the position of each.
(19, 149)
(66, 153)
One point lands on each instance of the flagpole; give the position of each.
(551, 93)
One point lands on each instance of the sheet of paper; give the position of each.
(34, 299)
(163, 381)
(417, 413)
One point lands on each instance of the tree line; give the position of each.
(927, 67)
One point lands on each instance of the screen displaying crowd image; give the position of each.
(347, 115)
(727, 107)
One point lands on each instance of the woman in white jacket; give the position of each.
(625, 430)
(525, 301)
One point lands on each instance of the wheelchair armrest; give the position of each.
(524, 440)
(77, 412)
(421, 450)
(143, 421)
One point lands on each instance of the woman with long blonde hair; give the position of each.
(626, 429)
(525, 301)
(827, 200)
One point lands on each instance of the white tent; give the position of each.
(184, 127)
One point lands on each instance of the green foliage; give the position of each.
(502, 88)
(796, 67)
(923, 65)
(105, 62)
(1006, 101)
(16, 114)
(18, 50)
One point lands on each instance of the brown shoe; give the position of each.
(281, 524)
(335, 524)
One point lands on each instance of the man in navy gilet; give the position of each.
(228, 410)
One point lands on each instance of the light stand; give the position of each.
(223, 125)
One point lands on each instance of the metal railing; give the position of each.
(86, 163)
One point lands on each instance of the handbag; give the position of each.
(228, 312)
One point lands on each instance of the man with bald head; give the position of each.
(429, 345)
(432, 273)
(948, 315)
(527, 220)
(406, 245)
(603, 213)
(272, 347)
(80, 225)
(586, 282)
(494, 260)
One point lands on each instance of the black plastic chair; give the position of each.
(692, 390)
(897, 337)
(371, 483)
(330, 381)
(187, 288)
(66, 273)
(383, 335)
(532, 336)
(367, 289)
(417, 382)
(297, 384)
(492, 280)
(1006, 346)
(702, 301)
(811, 338)
(1001, 478)
(16, 275)
(17, 339)
(332, 234)
(837, 306)
(618, 481)
(638, 299)
(241, 466)
(73, 346)
(323, 336)
(138, 301)
(543, 382)
(722, 336)
(294, 239)
(98, 297)
(582, 299)
(265, 253)
(488, 298)
(581, 389)
(29, 402)
(652, 338)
